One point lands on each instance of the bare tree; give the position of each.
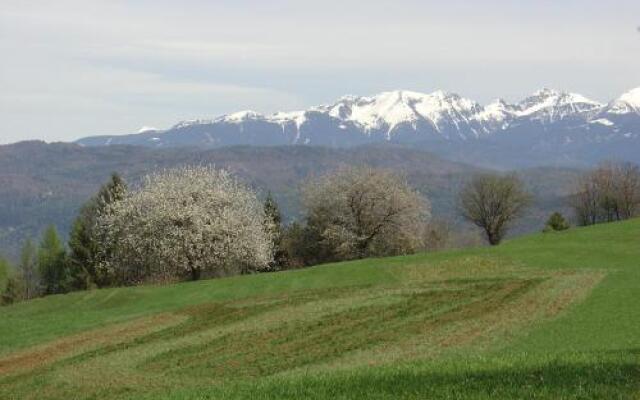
(586, 202)
(358, 212)
(492, 202)
(627, 190)
(611, 192)
(189, 221)
(438, 235)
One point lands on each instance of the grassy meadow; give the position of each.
(546, 316)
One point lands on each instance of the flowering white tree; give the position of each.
(360, 212)
(189, 221)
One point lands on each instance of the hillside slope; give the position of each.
(546, 316)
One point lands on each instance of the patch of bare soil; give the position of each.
(35, 357)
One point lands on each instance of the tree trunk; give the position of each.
(494, 239)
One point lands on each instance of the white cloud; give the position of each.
(76, 67)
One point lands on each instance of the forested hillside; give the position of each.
(42, 184)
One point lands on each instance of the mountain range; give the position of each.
(549, 127)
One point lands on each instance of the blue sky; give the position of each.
(78, 68)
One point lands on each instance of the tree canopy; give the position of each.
(185, 222)
(492, 202)
(359, 212)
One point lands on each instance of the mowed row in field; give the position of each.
(544, 316)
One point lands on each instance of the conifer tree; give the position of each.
(273, 224)
(556, 222)
(83, 242)
(52, 265)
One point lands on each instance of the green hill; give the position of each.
(546, 316)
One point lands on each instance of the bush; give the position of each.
(13, 291)
(556, 222)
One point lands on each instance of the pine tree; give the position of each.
(273, 223)
(556, 222)
(83, 243)
(52, 263)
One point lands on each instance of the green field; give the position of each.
(547, 316)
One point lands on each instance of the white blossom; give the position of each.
(188, 221)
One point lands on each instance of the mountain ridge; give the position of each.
(565, 124)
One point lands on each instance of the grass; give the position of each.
(548, 316)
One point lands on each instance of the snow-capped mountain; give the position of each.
(439, 121)
(628, 103)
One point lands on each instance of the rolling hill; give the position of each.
(545, 316)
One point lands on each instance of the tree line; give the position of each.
(191, 223)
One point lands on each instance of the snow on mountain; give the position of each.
(388, 110)
(602, 121)
(283, 118)
(629, 102)
(550, 105)
(383, 111)
(496, 115)
(147, 129)
(409, 117)
(240, 116)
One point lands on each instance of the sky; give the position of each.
(75, 68)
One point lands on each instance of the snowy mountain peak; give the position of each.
(498, 114)
(632, 96)
(147, 129)
(628, 102)
(551, 105)
(546, 92)
(241, 116)
(388, 110)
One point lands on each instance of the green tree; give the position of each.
(301, 244)
(28, 270)
(83, 242)
(556, 222)
(11, 285)
(273, 224)
(13, 291)
(52, 263)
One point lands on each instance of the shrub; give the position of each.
(556, 222)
